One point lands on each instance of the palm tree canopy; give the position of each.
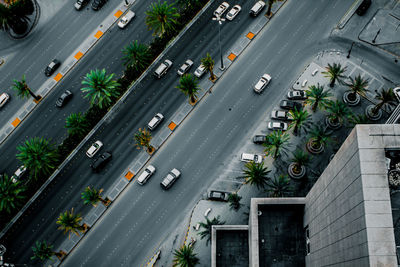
(317, 97)
(91, 196)
(207, 227)
(208, 63)
(319, 134)
(256, 174)
(386, 99)
(137, 56)
(279, 187)
(277, 144)
(77, 124)
(185, 257)
(42, 251)
(301, 120)
(358, 85)
(70, 222)
(359, 119)
(100, 87)
(189, 85)
(301, 158)
(234, 201)
(142, 138)
(22, 88)
(338, 111)
(161, 17)
(38, 156)
(335, 72)
(11, 194)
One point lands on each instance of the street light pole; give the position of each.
(220, 20)
(379, 31)
(351, 47)
(126, 3)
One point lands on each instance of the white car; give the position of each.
(4, 97)
(256, 9)
(200, 71)
(247, 157)
(277, 126)
(126, 19)
(18, 174)
(171, 177)
(94, 149)
(185, 67)
(281, 115)
(233, 12)
(146, 174)
(396, 92)
(221, 9)
(262, 83)
(155, 121)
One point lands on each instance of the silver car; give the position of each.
(262, 83)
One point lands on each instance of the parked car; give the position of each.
(200, 71)
(297, 95)
(185, 67)
(288, 104)
(277, 126)
(362, 9)
(101, 161)
(396, 92)
(97, 4)
(94, 149)
(156, 120)
(217, 195)
(262, 83)
(51, 68)
(233, 12)
(163, 68)
(81, 4)
(247, 157)
(146, 174)
(281, 115)
(64, 99)
(126, 19)
(260, 139)
(221, 9)
(256, 9)
(4, 97)
(170, 179)
(19, 173)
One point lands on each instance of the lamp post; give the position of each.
(220, 20)
(351, 47)
(126, 3)
(379, 31)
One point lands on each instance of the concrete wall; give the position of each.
(348, 210)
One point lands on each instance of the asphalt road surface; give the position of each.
(144, 215)
(149, 97)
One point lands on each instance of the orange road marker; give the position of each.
(232, 57)
(58, 77)
(250, 35)
(118, 13)
(129, 175)
(16, 122)
(78, 55)
(98, 34)
(172, 126)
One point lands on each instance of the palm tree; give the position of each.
(334, 72)
(93, 196)
(38, 156)
(188, 84)
(185, 257)
(23, 89)
(142, 139)
(319, 137)
(100, 87)
(13, 17)
(77, 124)
(277, 144)
(358, 119)
(337, 112)
(299, 162)
(255, 174)
(161, 17)
(301, 120)
(279, 187)
(209, 63)
(70, 222)
(137, 56)
(6, 18)
(11, 194)
(386, 98)
(270, 3)
(44, 251)
(358, 86)
(207, 227)
(234, 201)
(317, 97)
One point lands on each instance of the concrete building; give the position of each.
(346, 218)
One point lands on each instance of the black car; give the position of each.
(81, 4)
(288, 104)
(362, 9)
(63, 99)
(259, 139)
(218, 195)
(97, 4)
(52, 67)
(101, 161)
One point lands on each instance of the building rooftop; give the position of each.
(232, 248)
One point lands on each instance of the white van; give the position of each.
(162, 69)
(155, 121)
(146, 174)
